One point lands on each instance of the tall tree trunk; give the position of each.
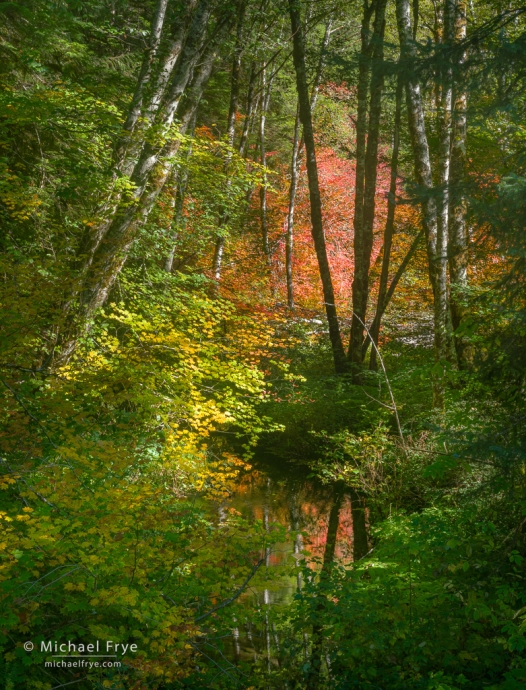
(389, 228)
(181, 183)
(445, 37)
(103, 265)
(147, 65)
(124, 212)
(266, 87)
(92, 236)
(424, 178)
(296, 165)
(458, 239)
(314, 677)
(318, 236)
(355, 341)
(252, 100)
(231, 134)
(366, 174)
(289, 237)
(172, 78)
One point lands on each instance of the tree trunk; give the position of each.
(146, 102)
(181, 184)
(147, 65)
(458, 239)
(445, 36)
(423, 174)
(103, 265)
(252, 99)
(389, 229)
(266, 88)
(318, 236)
(231, 135)
(375, 326)
(289, 238)
(296, 165)
(124, 211)
(366, 174)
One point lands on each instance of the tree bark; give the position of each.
(318, 236)
(147, 65)
(252, 99)
(178, 64)
(389, 229)
(366, 175)
(458, 238)
(181, 184)
(233, 107)
(424, 178)
(295, 169)
(289, 237)
(444, 96)
(375, 325)
(124, 210)
(102, 265)
(266, 87)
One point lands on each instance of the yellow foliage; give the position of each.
(112, 480)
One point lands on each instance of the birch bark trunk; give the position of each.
(424, 178)
(458, 237)
(444, 99)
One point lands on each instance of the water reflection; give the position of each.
(325, 524)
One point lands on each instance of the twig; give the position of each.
(222, 670)
(395, 409)
(389, 407)
(35, 419)
(63, 685)
(234, 596)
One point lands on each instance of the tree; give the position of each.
(366, 171)
(424, 179)
(314, 189)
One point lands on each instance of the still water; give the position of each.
(278, 492)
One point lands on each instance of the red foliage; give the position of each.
(246, 272)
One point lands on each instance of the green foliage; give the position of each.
(439, 604)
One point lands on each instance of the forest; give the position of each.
(263, 344)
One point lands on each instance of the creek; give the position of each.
(323, 523)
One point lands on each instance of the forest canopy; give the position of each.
(263, 314)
